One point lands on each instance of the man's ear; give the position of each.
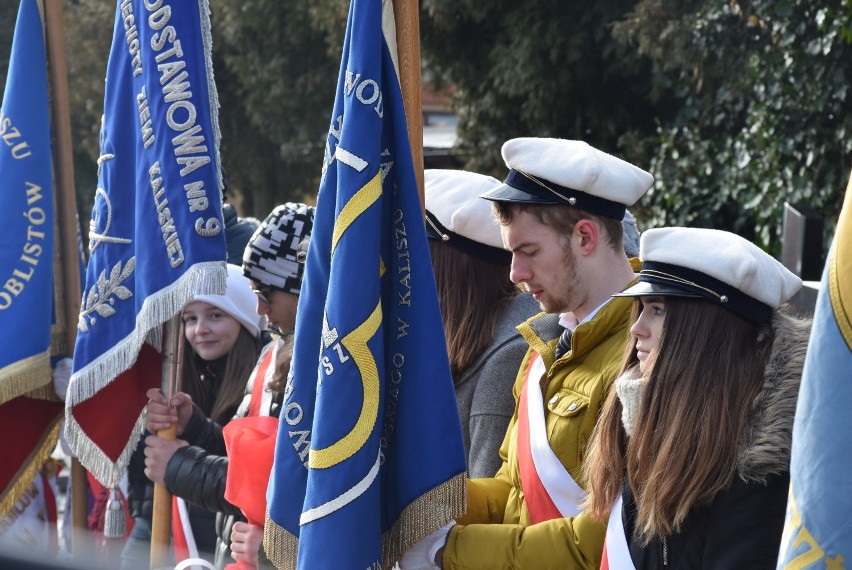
(586, 234)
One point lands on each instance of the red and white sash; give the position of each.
(259, 403)
(261, 399)
(616, 554)
(182, 537)
(549, 490)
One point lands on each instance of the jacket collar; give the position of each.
(766, 443)
(543, 330)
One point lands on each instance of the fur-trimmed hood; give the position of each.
(767, 440)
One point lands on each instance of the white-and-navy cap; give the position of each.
(456, 215)
(716, 265)
(566, 172)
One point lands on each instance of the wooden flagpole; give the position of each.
(68, 226)
(161, 521)
(407, 18)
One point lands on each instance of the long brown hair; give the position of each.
(241, 361)
(473, 294)
(708, 370)
(282, 365)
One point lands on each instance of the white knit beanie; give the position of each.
(239, 301)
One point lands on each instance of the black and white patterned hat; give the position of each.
(275, 254)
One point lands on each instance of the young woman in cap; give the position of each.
(480, 307)
(273, 262)
(223, 340)
(689, 461)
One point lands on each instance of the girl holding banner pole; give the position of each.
(201, 473)
(223, 334)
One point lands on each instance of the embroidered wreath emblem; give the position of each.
(101, 297)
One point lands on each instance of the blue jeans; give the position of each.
(136, 554)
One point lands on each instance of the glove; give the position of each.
(421, 556)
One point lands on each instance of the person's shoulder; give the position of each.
(519, 309)
(238, 232)
(613, 316)
(242, 225)
(229, 213)
(545, 326)
(523, 305)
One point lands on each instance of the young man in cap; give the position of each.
(560, 209)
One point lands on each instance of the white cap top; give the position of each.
(455, 213)
(716, 265)
(567, 172)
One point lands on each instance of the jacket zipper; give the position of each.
(665, 553)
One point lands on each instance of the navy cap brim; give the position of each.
(645, 289)
(506, 193)
(437, 232)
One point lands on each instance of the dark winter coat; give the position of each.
(484, 390)
(742, 526)
(238, 232)
(140, 490)
(198, 474)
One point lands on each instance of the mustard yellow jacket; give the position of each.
(574, 390)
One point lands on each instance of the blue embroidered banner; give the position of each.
(369, 455)
(818, 529)
(26, 262)
(156, 234)
(26, 258)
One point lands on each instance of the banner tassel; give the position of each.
(115, 525)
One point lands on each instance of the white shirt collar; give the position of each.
(570, 321)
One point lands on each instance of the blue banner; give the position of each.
(818, 529)
(26, 219)
(369, 455)
(156, 235)
(28, 406)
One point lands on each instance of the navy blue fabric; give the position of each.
(369, 423)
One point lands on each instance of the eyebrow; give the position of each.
(522, 245)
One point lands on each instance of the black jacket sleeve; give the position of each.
(199, 477)
(204, 433)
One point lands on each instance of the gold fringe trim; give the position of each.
(29, 469)
(424, 515)
(280, 546)
(25, 375)
(46, 392)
